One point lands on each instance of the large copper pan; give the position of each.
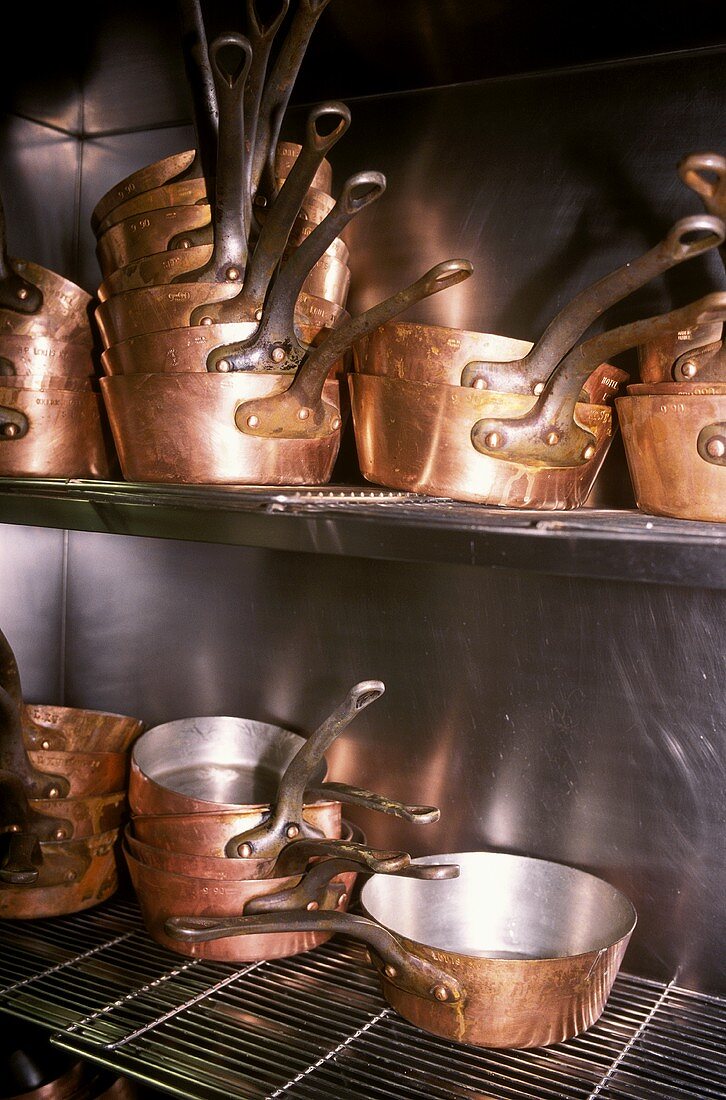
(88, 773)
(87, 870)
(154, 416)
(676, 451)
(72, 729)
(37, 355)
(164, 171)
(515, 952)
(82, 817)
(52, 435)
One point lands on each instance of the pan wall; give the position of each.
(576, 720)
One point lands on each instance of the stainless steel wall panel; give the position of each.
(32, 591)
(574, 720)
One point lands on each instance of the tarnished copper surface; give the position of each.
(72, 729)
(43, 354)
(162, 267)
(181, 428)
(95, 879)
(656, 358)
(162, 895)
(661, 436)
(416, 436)
(89, 773)
(86, 816)
(64, 314)
(43, 383)
(160, 308)
(144, 234)
(66, 436)
(670, 389)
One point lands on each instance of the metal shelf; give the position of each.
(316, 1025)
(374, 523)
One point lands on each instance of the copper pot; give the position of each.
(87, 872)
(58, 434)
(83, 817)
(41, 383)
(180, 428)
(88, 773)
(515, 952)
(675, 446)
(73, 729)
(41, 355)
(63, 313)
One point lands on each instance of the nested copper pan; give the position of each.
(676, 451)
(63, 314)
(416, 436)
(89, 773)
(83, 817)
(163, 267)
(45, 383)
(164, 171)
(657, 357)
(155, 417)
(37, 355)
(59, 434)
(88, 870)
(671, 389)
(160, 308)
(72, 729)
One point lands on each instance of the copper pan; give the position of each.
(515, 952)
(160, 308)
(152, 416)
(73, 729)
(87, 870)
(163, 267)
(163, 172)
(656, 359)
(675, 446)
(83, 817)
(37, 355)
(52, 435)
(63, 313)
(670, 389)
(89, 773)
(45, 383)
(183, 227)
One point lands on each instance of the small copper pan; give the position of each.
(72, 729)
(87, 873)
(676, 451)
(39, 355)
(83, 817)
(55, 434)
(152, 416)
(89, 773)
(63, 313)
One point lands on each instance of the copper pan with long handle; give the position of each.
(515, 952)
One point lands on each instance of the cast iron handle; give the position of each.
(299, 412)
(275, 346)
(204, 98)
(14, 758)
(402, 967)
(548, 435)
(281, 216)
(16, 293)
(357, 796)
(698, 171)
(704, 364)
(261, 37)
(296, 855)
(711, 443)
(527, 375)
(14, 424)
(286, 820)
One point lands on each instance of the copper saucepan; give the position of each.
(88, 773)
(36, 355)
(44, 383)
(515, 952)
(87, 871)
(83, 817)
(62, 312)
(59, 434)
(73, 729)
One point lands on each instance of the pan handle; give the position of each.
(703, 364)
(261, 37)
(358, 796)
(528, 375)
(299, 412)
(204, 98)
(296, 855)
(286, 820)
(549, 435)
(402, 967)
(705, 173)
(14, 424)
(711, 443)
(14, 758)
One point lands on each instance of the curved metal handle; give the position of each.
(527, 375)
(261, 36)
(712, 190)
(401, 967)
(369, 800)
(16, 293)
(286, 820)
(548, 435)
(280, 219)
(702, 364)
(14, 758)
(275, 346)
(299, 412)
(711, 443)
(296, 855)
(204, 98)
(14, 424)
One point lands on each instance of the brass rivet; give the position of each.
(689, 369)
(278, 354)
(70, 876)
(53, 792)
(716, 447)
(13, 828)
(184, 243)
(312, 905)
(303, 414)
(45, 744)
(493, 440)
(441, 993)
(60, 834)
(260, 200)
(253, 421)
(10, 430)
(552, 438)
(390, 971)
(258, 315)
(479, 384)
(342, 900)
(23, 293)
(206, 321)
(233, 274)
(292, 831)
(335, 423)
(537, 388)
(223, 366)
(588, 452)
(245, 850)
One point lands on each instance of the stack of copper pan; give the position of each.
(674, 420)
(231, 815)
(485, 418)
(51, 417)
(63, 778)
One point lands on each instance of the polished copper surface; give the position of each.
(94, 881)
(162, 895)
(160, 308)
(416, 436)
(40, 355)
(63, 315)
(73, 729)
(670, 476)
(65, 438)
(43, 383)
(181, 428)
(89, 773)
(86, 816)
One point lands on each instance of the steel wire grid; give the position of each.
(317, 1026)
